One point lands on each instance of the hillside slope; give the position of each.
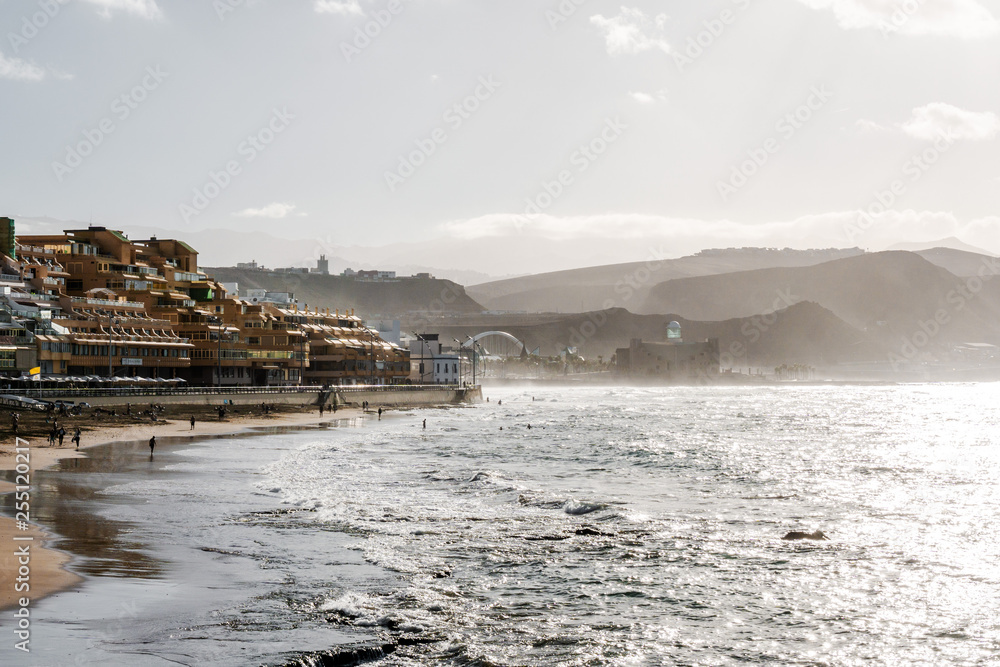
(959, 262)
(890, 295)
(367, 298)
(627, 285)
(803, 333)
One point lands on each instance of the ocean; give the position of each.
(626, 526)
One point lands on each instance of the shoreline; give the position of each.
(49, 573)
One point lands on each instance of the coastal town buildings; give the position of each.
(431, 362)
(673, 360)
(92, 302)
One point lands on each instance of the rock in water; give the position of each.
(797, 535)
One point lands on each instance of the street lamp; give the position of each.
(371, 357)
(423, 348)
(111, 339)
(302, 357)
(474, 344)
(461, 366)
(218, 370)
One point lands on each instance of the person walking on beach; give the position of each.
(192, 422)
(62, 434)
(76, 437)
(152, 446)
(380, 414)
(321, 406)
(15, 422)
(53, 434)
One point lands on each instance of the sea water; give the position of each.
(624, 527)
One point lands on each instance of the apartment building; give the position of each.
(121, 307)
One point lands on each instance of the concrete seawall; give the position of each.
(402, 396)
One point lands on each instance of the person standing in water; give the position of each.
(380, 414)
(152, 446)
(192, 422)
(425, 423)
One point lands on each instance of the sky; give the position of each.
(600, 128)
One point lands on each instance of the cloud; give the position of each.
(865, 125)
(341, 7)
(147, 9)
(628, 33)
(930, 122)
(649, 98)
(19, 70)
(966, 19)
(275, 211)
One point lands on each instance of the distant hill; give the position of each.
(951, 243)
(368, 298)
(888, 295)
(627, 285)
(959, 262)
(803, 333)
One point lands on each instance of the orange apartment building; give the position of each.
(162, 317)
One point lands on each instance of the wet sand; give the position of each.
(47, 566)
(48, 574)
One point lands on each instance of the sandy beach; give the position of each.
(48, 573)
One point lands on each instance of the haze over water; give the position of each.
(626, 527)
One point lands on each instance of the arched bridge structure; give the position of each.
(498, 344)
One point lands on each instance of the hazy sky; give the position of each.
(719, 123)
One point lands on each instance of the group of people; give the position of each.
(59, 433)
(56, 434)
(364, 406)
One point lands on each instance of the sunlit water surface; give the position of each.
(682, 496)
(625, 527)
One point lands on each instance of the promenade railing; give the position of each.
(57, 393)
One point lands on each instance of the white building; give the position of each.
(389, 331)
(433, 363)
